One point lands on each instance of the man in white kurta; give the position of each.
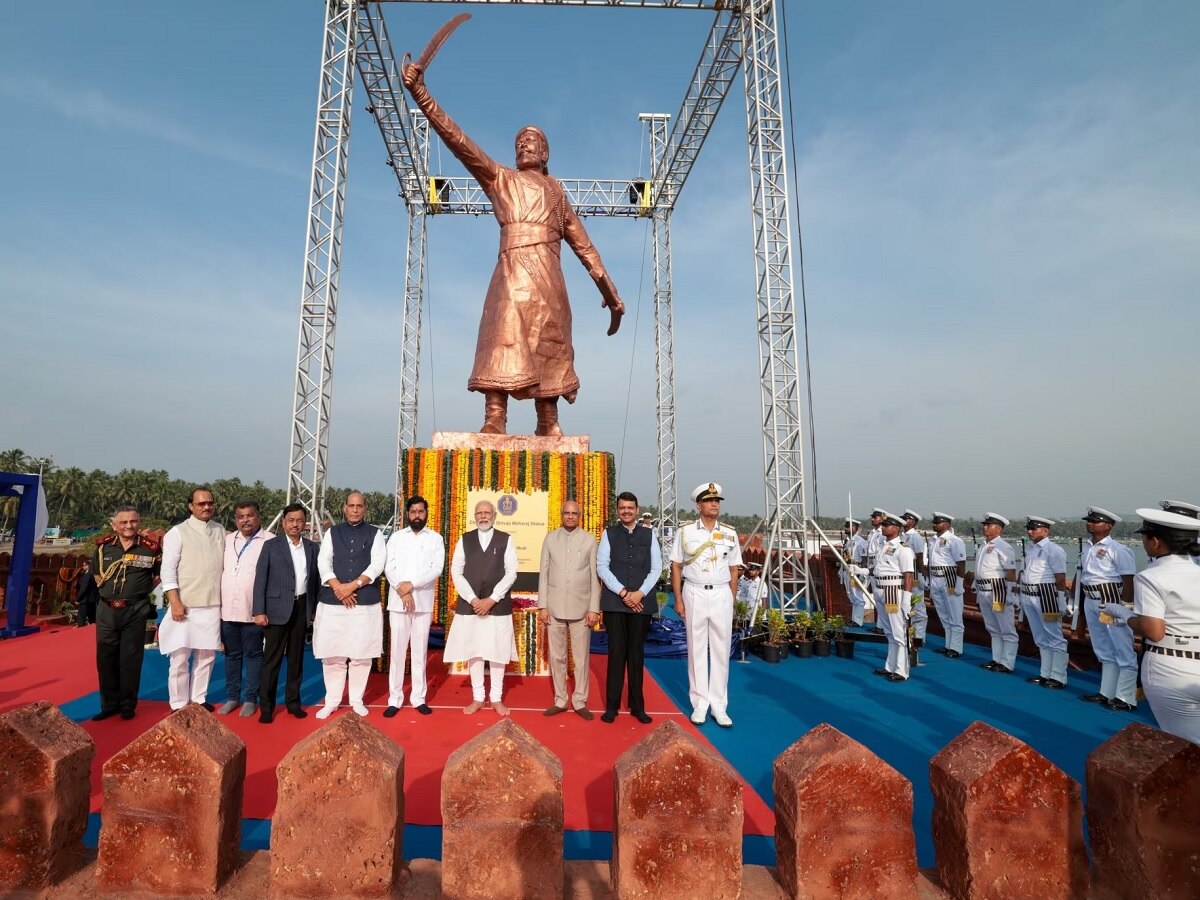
(348, 628)
(191, 580)
(484, 568)
(415, 560)
(706, 560)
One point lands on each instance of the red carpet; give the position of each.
(59, 666)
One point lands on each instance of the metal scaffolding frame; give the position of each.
(743, 33)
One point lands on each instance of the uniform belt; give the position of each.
(1032, 589)
(1097, 588)
(118, 602)
(943, 571)
(1171, 651)
(707, 587)
(889, 580)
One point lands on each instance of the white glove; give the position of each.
(1120, 612)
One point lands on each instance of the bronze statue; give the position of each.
(524, 346)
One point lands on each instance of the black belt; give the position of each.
(121, 602)
(1171, 651)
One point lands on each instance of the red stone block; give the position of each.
(677, 822)
(843, 821)
(1143, 811)
(44, 792)
(173, 807)
(1006, 821)
(502, 818)
(338, 828)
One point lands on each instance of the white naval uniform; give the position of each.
(707, 558)
(1043, 560)
(1102, 567)
(997, 598)
(892, 562)
(945, 551)
(915, 541)
(875, 541)
(857, 546)
(1169, 589)
(418, 557)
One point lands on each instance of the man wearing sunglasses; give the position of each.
(190, 634)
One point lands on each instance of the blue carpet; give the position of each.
(905, 724)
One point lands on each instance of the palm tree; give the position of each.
(67, 486)
(15, 460)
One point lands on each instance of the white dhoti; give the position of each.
(346, 640)
(476, 639)
(192, 648)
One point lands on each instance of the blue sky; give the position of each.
(1000, 208)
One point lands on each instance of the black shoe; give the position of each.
(990, 666)
(298, 712)
(1003, 670)
(642, 717)
(941, 650)
(390, 711)
(424, 710)
(1053, 684)
(952, 654)
(1094, 698)
(1120, 705)
(127, 714)
(1036, 679)
(876, 630)
(883, 672)
(609, 715)
(209, 707)
(896, 676)
(266, 716)
(105, 714)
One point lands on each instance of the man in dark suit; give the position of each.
(285, 595)
(87, 595)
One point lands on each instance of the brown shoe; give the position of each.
(495, 413)
(554, 711)
(547, 418)
(584, 713)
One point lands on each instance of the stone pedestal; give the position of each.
(1006, 821)
(677, 823)
(474, 440)
(173, 807)
(338, 828)
(1143, 813)
(843, 821)
(45, 774)
(502, 818)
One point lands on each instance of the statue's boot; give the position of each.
(547, 417)
(495, 413)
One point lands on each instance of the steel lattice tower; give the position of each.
(744, 34)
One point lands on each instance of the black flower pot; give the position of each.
(821, 647)
(844, 649)
(772, 653)
(802, 649)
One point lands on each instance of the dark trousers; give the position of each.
(284, 640)
(243, 641)
(120, 641)
(626, 652)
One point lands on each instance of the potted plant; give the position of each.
(802, 643)
(775, 648)
(820, 634)
(741, 615)
(842, 647)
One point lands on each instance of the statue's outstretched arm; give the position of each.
(478, 163)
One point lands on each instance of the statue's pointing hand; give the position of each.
(616, 308)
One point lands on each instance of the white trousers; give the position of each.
(475, 669)
(189, 683)
(949, 608)
(1113, 646)
(1172, 686)
(410, 633)
(1002, 626)
(709, 612)
(335, 669)
(895, 626)
(1048, 635)
(919, 617)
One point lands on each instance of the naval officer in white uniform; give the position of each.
(946, 556)
(1044, 603)
(997, 593)
(894, 575)
(1166, 612)
(705, 562)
